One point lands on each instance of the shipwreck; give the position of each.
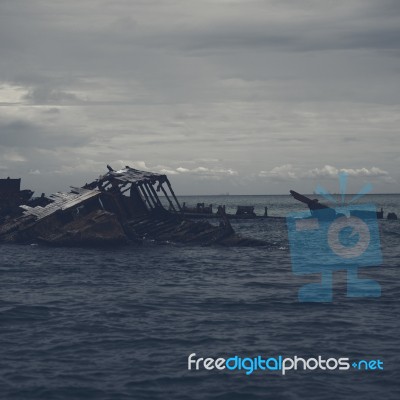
(321, 210)
(120, 207)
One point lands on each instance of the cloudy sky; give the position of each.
(239, 96)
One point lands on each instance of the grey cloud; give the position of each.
(52, 110)
(317, 26)
(385, 8)
(23, 134)
(45, 95)
(379, 38)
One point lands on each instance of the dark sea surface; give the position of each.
(120, 323)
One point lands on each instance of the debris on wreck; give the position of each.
(202, 211)
(247, 211)
(119, 207)
(200, 208)
(392, 216)
(12, 198)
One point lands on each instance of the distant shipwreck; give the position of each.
(322, 211)
(119, 207)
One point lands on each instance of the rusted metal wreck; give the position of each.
(123, 206)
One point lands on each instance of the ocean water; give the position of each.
(120, 323)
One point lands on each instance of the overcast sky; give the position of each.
(238, 96)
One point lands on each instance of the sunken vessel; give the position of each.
(120, 207)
